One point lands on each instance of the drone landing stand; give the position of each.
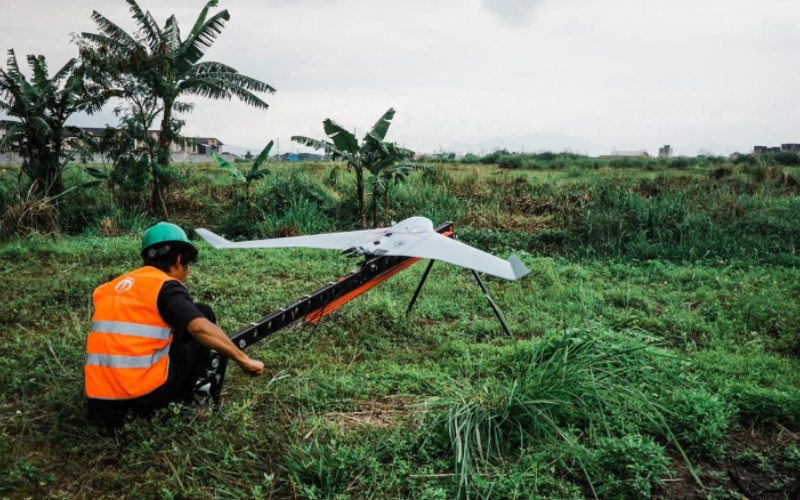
(318, 304)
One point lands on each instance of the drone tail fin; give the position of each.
(213, 239)
(518, 267)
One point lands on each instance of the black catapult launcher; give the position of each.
(321, 302)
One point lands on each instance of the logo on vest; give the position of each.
(124, 285)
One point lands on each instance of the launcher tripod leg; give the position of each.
(491, 301)
(419, 287)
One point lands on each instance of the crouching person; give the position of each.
(149, 341)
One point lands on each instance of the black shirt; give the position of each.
(176, 307)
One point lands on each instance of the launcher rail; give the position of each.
(312, 308)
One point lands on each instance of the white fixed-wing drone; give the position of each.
(412, 237)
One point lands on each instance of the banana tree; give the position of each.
(40, 108)
(255, 173)
(169, 66)
(382, 161)
(344, 145)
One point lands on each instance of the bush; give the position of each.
(763, 406)
(680, 162)
(745, 160)
(628, 467)
(493, 157)
(787, 159)
(471, 159)
(699, 420)
(510, 161)
(29, 216)
(280, 191)
(326, 470)
(554, 388)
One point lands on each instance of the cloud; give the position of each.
(513, 12)
(626, 73)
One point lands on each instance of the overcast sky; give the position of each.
(540, 74)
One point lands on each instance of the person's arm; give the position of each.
(210, 335)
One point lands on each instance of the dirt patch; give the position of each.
(754, 467)
(509, 222)
(381, 414)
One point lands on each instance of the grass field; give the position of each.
(654, 351)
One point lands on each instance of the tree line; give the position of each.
(148, 74)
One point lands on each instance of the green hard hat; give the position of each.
(164, 232)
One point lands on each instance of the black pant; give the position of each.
(187, 359)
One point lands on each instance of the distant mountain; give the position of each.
(530, 143)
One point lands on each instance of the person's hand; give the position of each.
(252, 366)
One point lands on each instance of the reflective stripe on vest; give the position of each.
(134, 329)
(114, 361)
(128, 346)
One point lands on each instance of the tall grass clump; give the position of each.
(576, 389)
(677, 219)
(293, 201)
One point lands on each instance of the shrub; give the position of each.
(745, 160)
(28, 216)
(471, 159)
(510, 161)
(493, 157)
(680, 162)
(279, 191)
(787, 159)
(326, 470)
(699, 420)
(721, 172)
(553, 388)
(628, 467)
(763, 406)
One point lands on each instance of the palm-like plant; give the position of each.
(255, 173)
(383, 163)
(373, 154)
(40, 107)
(169, 67)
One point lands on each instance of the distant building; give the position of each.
(301, 157)
(627, 154)
(202, 145)
(783, 148)
(187, 145)
(665, 152)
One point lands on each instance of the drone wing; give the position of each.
(431, 245)
(410, 238)
(331, 241)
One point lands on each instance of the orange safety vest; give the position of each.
(128, 346)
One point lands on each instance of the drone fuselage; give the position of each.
(395, 236)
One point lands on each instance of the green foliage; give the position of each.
(763, 406)
(787, 159)
(325, 470)
(40, 108)
(373, 154)
(159, 66)
(700, 421)
(585, 381)
(616, 360)
(228, 167)
(277, 193)
(510, 161)
(629, 467)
